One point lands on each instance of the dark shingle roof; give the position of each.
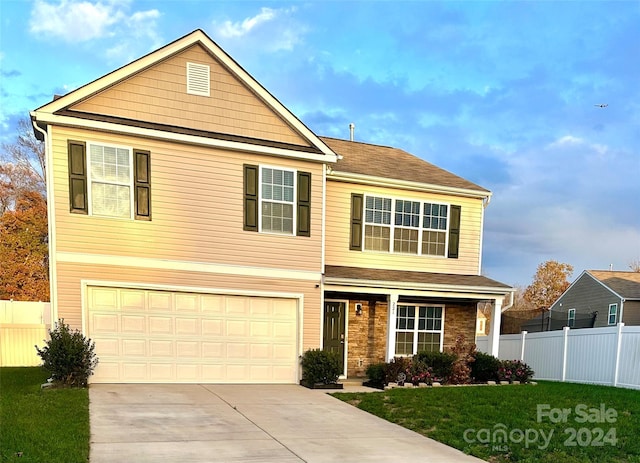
(626, 284)
(403, 276)
(392, 163)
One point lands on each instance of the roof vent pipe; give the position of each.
(352, 127)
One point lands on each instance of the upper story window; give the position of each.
(109, 181)
(378, 224)
(613, 314)
(277, 200)
(571, 318)
(434, 236)
(407, 227)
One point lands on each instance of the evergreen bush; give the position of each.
(485, 368)
(68, 356)
(377, 373)
(440, 362)
(320, 367)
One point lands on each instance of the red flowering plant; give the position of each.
(515, 370)
(419, 372)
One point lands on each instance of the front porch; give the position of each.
(372, 315)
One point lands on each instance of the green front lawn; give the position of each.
(542, 423)
(41, 426)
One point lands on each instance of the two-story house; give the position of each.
(200, 232)
(597, 298)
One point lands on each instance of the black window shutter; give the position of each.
(250, 198)
(355, 241)
(142, 188)
(454, 232)
(304, 204)
(77, 177)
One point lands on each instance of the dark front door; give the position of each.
(334, 313)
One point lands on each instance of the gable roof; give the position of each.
(625, 284)
(385, 162)
(58, 110)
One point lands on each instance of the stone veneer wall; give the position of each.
(459, 319)
(367, 336)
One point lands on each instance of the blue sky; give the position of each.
(501, 93)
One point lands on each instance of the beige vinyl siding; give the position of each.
(197, 209)
(70, 276)
(338, 228)
(159, 95)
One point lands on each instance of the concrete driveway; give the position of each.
(247, 423)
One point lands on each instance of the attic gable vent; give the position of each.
(198, 79)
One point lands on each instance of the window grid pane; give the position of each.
(404, 343)
(433, 243)
(111, 200)
(407, 213)
(428, 342)
(277, 217)
(435, 216)
(378, 210)
(377, 238)
(405, 240)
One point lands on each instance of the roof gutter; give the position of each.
(407, 185)
(416, 286)
(68, 121)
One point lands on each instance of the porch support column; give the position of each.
(392, 302)
(494, 333)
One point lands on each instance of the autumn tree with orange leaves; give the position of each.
(24, 274)
(24, 271)
(549, 282)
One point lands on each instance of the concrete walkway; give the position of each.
(247, 423)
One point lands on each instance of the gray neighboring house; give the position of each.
(615, 296)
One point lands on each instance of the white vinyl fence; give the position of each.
(23, 325)
(609, 356)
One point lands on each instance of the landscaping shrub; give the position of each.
(320, 367)
(419, 372)
(441, 363)
(377, 374)
(397, 369)
(464, 352)
(68, 356)
(485, 368)
(515, 370)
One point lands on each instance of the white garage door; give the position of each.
(144, 336)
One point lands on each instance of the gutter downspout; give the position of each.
(48, 165)
(485, 203)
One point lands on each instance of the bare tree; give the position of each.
(635, 265)
(22, 167)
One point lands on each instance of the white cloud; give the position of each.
(270, 30)
(82, 21)
(566, 140)
(238, 29)
(74, 21)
